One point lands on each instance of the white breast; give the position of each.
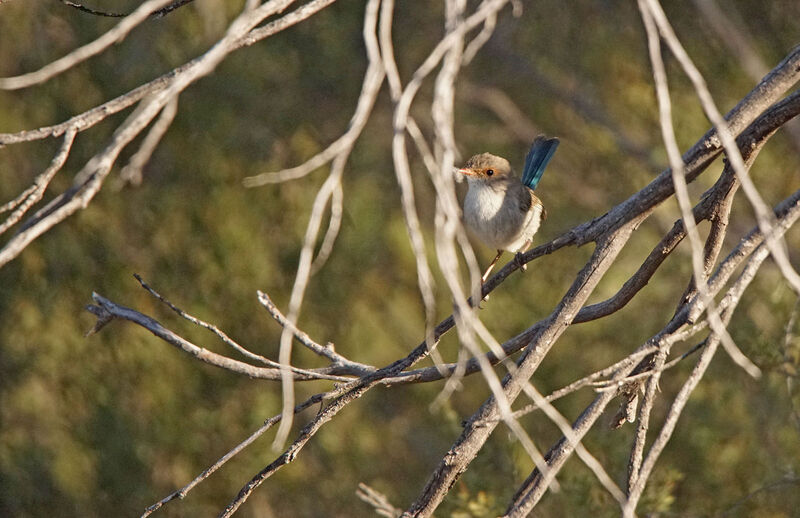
(496, 219)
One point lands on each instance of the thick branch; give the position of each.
(612, 240)
(767, 92)
(535, 485)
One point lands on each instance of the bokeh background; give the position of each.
(107, 425)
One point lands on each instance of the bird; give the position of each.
(500, 208)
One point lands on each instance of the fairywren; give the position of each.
(500, 208)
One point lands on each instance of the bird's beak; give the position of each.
(465, 170)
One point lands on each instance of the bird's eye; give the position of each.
(489, 172)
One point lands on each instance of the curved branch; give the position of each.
(733, 296)
(704, 151)
(91, 178)
(724, 187)
(132, 172)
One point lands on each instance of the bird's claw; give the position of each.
(520, 262)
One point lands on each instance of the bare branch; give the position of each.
(373, 79)
(535, 485)
(205, 325)
(106, 310)
(739, 41)
(91, 117)
(87, 183)
(682, 194)
(91, 178)
(724, 188)
(344, 395)
(733, 296)
(705, 150)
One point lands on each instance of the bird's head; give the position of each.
(486, 168)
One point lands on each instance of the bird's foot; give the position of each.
(520, 261)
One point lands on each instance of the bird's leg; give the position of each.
(489, 269)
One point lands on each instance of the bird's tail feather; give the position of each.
(539, 155)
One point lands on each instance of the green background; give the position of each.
(107, 425)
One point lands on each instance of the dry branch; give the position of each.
(107, 310)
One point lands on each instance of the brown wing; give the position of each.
(534, 200)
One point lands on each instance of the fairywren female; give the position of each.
(500, 208)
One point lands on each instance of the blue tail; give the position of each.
(537, 159)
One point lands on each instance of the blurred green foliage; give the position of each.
(107, 425)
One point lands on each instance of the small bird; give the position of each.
(500, 208)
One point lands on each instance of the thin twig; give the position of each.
(733, 295)
(132, 172)
(649, 15)
(326, 351)
(373, 79)
(115, 35)
(160, 12)
(378, 501)
(205, 325)
(727, 138)
(182, 492)
(35, 192)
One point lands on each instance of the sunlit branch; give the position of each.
(373, 80)
(181, 493)
(106, 311)
(733, 295)
(535, 485)
(727, 137)
(326, 351)
(205, 325)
